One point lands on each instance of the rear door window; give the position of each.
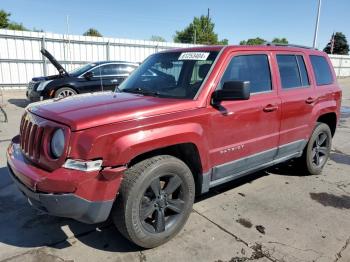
(252, 68)
(105, 70)
(125, 70)
(292, 71)
(322, 71)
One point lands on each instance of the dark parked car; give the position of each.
(92, 77)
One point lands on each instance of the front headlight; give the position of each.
(42, 85)
(57, 143)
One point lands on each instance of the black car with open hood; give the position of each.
(91, 77)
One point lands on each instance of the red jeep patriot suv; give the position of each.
(186, 120)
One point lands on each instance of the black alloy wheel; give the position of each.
(320, 149)
(155, 200)
(162, 203)
(317, 150)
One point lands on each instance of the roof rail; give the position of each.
(289, 45)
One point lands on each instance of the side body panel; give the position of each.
(296, 121)
(241, 129)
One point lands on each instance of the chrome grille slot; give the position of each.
(26, 137)
(37, 141)
(31, 134)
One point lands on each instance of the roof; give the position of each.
(268, 47)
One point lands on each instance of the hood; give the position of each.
(91, 110)
(45, 78)
(58, 66)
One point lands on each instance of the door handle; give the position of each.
(270, 108)
(310, 100)
(114, 81)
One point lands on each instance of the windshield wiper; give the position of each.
(139, 90)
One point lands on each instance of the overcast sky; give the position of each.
(234, 20)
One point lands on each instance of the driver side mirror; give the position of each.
(232, 90)
(88, 75)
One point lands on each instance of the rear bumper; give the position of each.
(85, 196)
(66, 205)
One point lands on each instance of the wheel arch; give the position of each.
(326, 112)
(186, 152)
(65, 85)
(69, 86)
(329, 119)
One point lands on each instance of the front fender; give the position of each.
(131, 145)
(118, 147)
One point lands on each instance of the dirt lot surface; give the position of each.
(274, 215)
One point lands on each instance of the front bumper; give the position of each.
(33, 96)
(66, 205)
(84, 196)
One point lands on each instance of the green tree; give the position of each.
(157, 38)
(7, 24)
(199, 31)
(282, 41)
(92, 32)
(37, 30)
(16, 26)
(340, 46)
(4, 19)
(253, 41)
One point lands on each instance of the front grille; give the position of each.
(31, 85)
(35, 134)
(31, 134)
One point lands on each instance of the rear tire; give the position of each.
(64, 92)
(317, 150)
(155, 201)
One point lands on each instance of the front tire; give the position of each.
(64, 92)
(317, 150)
(155, 201)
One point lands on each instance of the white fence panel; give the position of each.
(21, 60)
(341, 64)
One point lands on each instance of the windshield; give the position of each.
(80, 70)
(170, 74)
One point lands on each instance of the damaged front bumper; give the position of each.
(84, 196)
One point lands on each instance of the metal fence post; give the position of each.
(340, 66)
(108, 45)
(43, 57)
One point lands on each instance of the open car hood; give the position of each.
(58, 66)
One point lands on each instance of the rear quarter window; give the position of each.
(322, 70)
